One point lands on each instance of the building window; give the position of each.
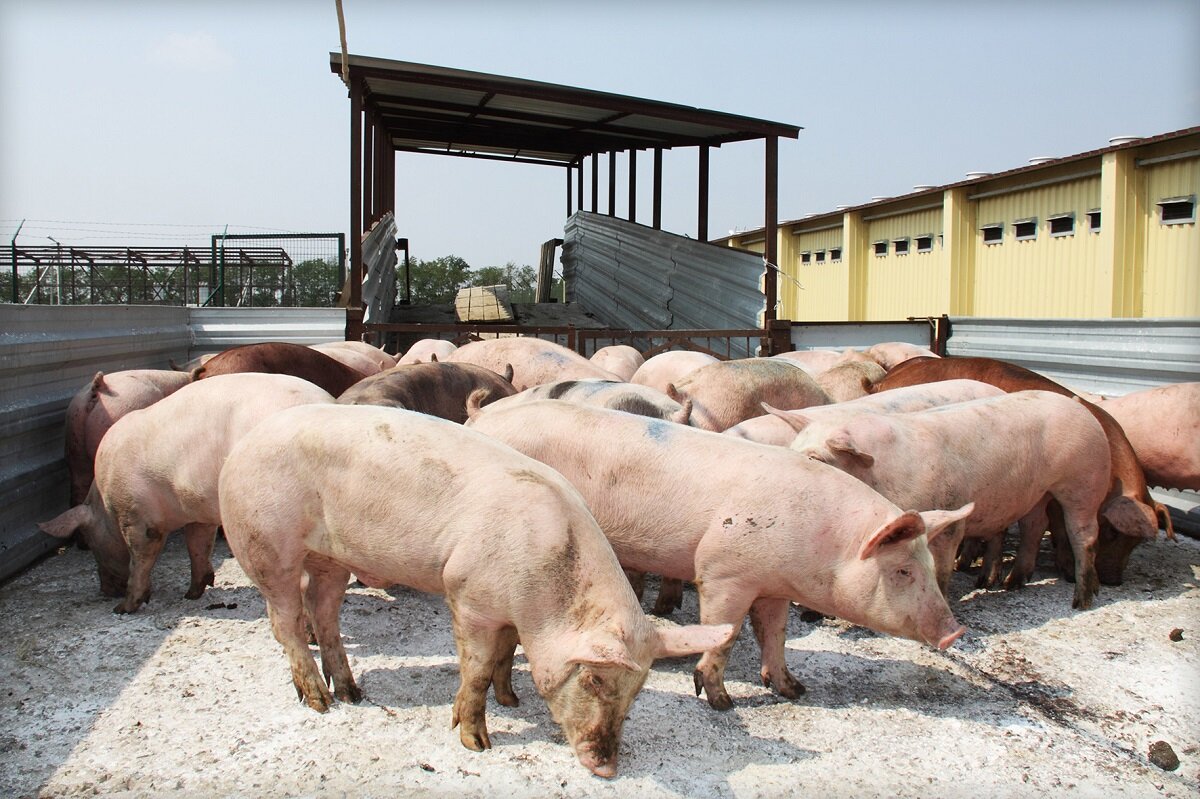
(901, 246)
(1062, 225)
(881, 248)
(993, 234)
(835, 254)
(1025, 229)
(925, 243)
(1094, 220)
(805, 257)
(1177, 210)
(820, 256)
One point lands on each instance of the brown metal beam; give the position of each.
(595, 181)
(702, 198)
(612, 183)
(658, 188)
(771, 244)
(356, 226)
(633, 185)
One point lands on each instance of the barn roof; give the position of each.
(439, 110)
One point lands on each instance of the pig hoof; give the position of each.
(351, 693)
(719, 700)
(789, 687)
(507, 699)
(663, 608)
(1015, 581)
(475, 741)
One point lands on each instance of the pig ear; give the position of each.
(798, 421)
(904, 527)
(841, 443)
(1132, 518)
(66, 523)
(604, 655)
(508, 372)
(433, 357)
(691, 640)
(938, 521)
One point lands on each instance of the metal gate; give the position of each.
(247, 273)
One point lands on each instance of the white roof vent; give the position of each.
(879, 199)
(924, 187)
(974, 175)
(1115, 140)
(1042, 159)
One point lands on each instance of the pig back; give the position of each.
(533, 360)
(280, 357)
(728, 392)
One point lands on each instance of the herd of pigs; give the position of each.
(535, 488)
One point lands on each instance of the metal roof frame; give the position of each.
(399, 106)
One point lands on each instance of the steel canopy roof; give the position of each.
(438, 110)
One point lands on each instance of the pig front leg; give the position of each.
(989, 572)
(1032, 527)
(719, 606)
(200, 539)
(145, 544)
(670, 596)
(481, 653)
(323, 597)
(768, 618)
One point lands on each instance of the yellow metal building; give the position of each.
(1106, 233)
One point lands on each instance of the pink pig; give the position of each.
(156, 471)
(829, 542)
(1163, 426)
(533, 361)
(427, 350)
(728, 392)
(661, 370)
(1009, 454)
(773, 429)
(620, 359)
(358, 355)
(98, 405)
(506, 539)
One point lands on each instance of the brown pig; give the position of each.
(533, 360)
(156, 471)
(1131, 515)
(728, 392)
(98, 405)
(1163, 426)
(507, 540)
(829, 542)
(284, 358)
(438, 389)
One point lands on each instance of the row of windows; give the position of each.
(1173, 211)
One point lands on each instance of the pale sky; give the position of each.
(162, 122)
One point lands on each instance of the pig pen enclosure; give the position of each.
(193, 697)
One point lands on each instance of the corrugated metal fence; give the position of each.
(634, 277)
(48, 352)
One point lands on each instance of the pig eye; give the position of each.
(592, 682)
(904, 572)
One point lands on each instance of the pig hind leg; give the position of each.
(200, 539)
(1032, 527)
(323, 602)
(768, 618)
(670, 596)
(145, 545)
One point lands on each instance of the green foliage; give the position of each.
(520, 280)
(315, 284)
(438, 280)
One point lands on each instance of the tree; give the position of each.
(521, 281)
(438, 280)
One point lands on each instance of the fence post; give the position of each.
(779, 333)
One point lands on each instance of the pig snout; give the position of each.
(599, 756)
(951, 638)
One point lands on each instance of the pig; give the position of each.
(427, 350)
(849, 380)
(1130, 516)
(156, 471)
(1163, 427)
(507, 540)
(775, 430)
(829, 542)
(1009, 454)
(728, 392)
(620, 359)
(666, 368)
(358, 355)
(628, 397)
(279, 357)
(890, 353)
(438, 389)
(817, 361)
(97, 406)
(533, 360)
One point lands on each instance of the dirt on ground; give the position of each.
(194, 698)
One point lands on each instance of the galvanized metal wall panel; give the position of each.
(1046, 276)
(1172, 252)
(1103, 356)
(379, 258)
(915, 284)
(634, 277)
(216, 329)
(837, 336)
(46, 354)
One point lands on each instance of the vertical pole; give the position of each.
(380, 193)
(612, 183)
(633, 185)
(595, 182)
(580, 190)
(702, 202)
(658, 188)
(356, 195)
(570, 189)
(368, 165)
(771, 244)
